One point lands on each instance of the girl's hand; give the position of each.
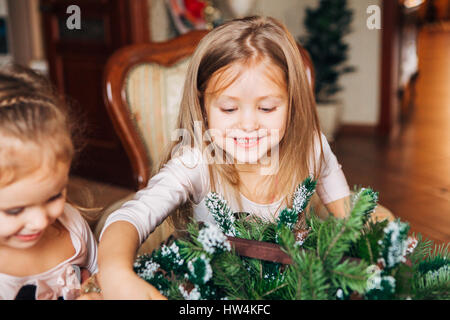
(126, 285)
(91, 296)
(90, 289)
(116, 254)
(85, 275)
(340, 208)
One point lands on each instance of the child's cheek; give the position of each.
(215, 135)
(9, 225)
(56, 208)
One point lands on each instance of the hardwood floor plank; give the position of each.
(412, 172)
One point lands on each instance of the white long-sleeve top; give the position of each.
(61, 280)
(187, 176)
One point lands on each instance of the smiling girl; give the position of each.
(44, 242)
(248, 88)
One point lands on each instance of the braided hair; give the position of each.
(34, 124)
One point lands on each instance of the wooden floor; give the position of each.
(412, 172)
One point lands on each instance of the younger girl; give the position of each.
(44, 241)
(247, 89)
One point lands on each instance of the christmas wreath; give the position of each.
(298, 256)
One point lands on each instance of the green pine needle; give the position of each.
(222, 213)
(303, 194)
(437, 259)
(204, 261)
(350, 276)
(364, 203)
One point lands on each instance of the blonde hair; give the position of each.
(35, 120)
(245, 41)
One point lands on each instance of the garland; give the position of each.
(351, 258)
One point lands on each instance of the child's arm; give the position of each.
(180, 179)
(116, 255)
(127, 228)
(339, 208)
(332, 186)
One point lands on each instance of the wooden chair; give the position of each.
(142, 89)
(141, 102)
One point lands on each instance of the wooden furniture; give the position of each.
(142, 88)
(77, 58)
(399, 68)
(409, 60)
(138, 101)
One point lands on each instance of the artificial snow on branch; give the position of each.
(353, 257)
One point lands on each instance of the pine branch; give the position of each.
(302, 194)
(394, 244)
(308, 268)
(369, 248)
(205, 261)
(224, 280)
(422, 250)
(222, 213)
(275, 289)
(334, 241)
(364, 203)
(433, 285)
(314, 275)
(436, 260)
(350, 274)
(336, 235)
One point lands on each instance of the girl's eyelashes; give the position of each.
(228, 110)
(18, 210)
(14, 211)
(55, 197)
(266, 110)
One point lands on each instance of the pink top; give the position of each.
(62, 280)
(186, 176)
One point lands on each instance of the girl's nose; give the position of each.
(248, 121)
(37, 219)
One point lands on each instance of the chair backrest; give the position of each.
(142, 89)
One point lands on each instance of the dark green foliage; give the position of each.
(394, 244)
(327, 25)
(306, 278)
(303, 194)
(433, 285)
(335, 236)
(255, 228)
(221, 212)
(435, 260)
(338, 258)
(159, 278)
(367, 247)
(432, 277)
(364, 203)
(287, 217)
(422, 251)
(403, 281)
(386, 291)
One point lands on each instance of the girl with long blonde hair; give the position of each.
(248, 129)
